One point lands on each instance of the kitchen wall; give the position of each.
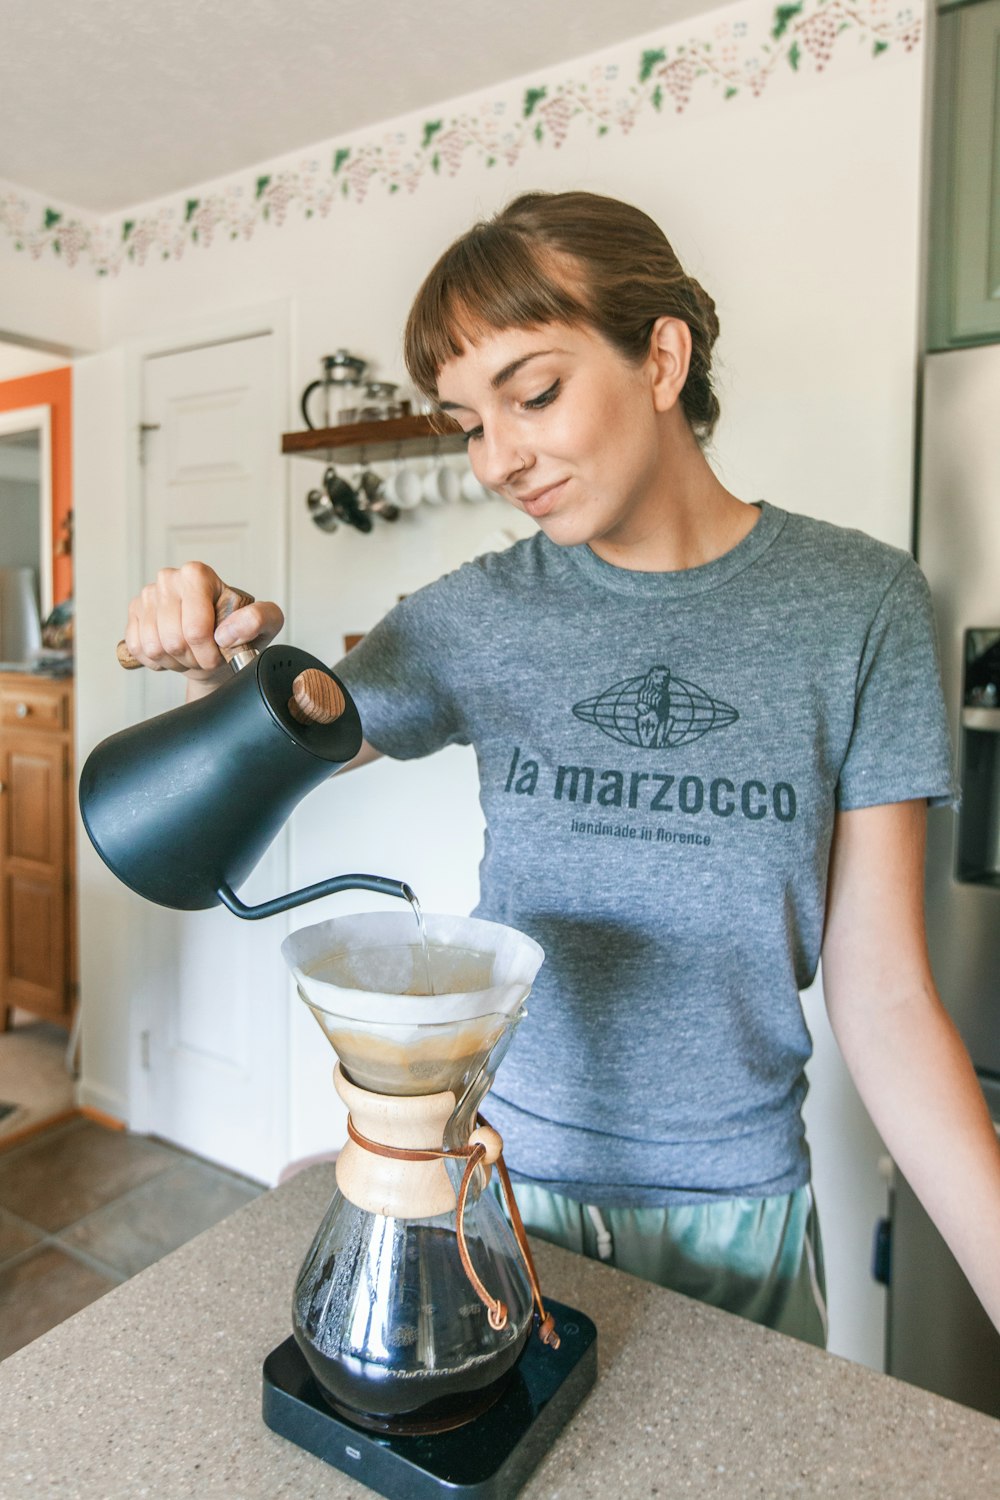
(17, 360)
(782, 156)
(48, 296)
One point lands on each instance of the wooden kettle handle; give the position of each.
(229, 600)
(316, 698)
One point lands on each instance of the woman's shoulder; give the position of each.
(844, 555)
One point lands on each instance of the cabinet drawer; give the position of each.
(32, 707)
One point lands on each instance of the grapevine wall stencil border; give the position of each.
(740, 54)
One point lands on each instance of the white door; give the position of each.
(215, 991)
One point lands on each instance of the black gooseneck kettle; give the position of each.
(182, 807)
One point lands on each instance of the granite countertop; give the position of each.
(155, 1391)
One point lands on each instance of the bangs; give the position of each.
(489, 280)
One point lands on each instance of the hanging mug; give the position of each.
(321, 509)
(346, 502)
(376, 497)
(441, 485)
(472, 490)
(403, 487)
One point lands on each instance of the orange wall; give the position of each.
(53, 388)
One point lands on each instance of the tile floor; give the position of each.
(33, 1074)
(83, 1208)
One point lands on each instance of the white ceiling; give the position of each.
(108, 103)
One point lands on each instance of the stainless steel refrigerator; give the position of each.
(938, 1335)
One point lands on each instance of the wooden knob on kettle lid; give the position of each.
(316, 698)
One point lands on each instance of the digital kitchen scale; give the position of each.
(490, 1458)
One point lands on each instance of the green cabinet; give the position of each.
(964, 250)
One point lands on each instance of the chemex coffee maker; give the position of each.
(422, 1359)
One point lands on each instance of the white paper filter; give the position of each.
(360, 967)
(354, 973)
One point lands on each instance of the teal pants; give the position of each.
(761, 1258)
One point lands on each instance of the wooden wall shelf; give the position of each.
(376, 442)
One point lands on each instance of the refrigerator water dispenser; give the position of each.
(978, 843)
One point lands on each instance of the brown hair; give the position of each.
(570, 258)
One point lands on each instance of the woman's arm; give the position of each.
(903, 1051)
(364, 757)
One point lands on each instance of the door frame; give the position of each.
(273, 319)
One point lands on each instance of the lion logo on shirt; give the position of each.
(654, 711)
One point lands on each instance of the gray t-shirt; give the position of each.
(661, 756)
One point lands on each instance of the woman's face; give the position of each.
(564, 428)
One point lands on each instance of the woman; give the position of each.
(707, 733)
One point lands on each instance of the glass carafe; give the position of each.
(397, 1333)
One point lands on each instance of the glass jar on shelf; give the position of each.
(380, 402)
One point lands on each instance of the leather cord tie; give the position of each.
(477, 1153)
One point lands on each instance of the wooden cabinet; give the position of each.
(964, 260)
(37, 894)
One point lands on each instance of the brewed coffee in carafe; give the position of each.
(415, 1300)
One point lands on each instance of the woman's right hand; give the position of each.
(171, 626)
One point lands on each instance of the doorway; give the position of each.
(212, 1009)
(37, 908)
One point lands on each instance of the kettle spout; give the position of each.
(380, 884)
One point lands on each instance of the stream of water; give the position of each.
(424, 946)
